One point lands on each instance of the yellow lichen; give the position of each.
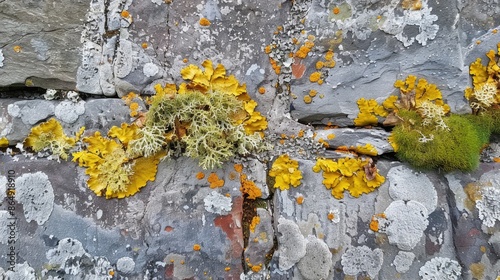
(286, 172)
(262, 90)
(204, 22)
(355, 175)
(314, 77)
(307, 99)
(367, 149)
(50, 135)
(312, 93)
(197, 247)
(111, 171)
(4, 142)
(299, 199)
(368, 112)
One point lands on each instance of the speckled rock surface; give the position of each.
(305, 63)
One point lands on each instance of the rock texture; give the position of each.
(306, 63)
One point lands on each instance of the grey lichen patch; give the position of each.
(317, 262)
(421, 18)
(68, 111)
(35, 192)
(218, 203)
(21, 271)
(489, 206)
(7, 228)
(406, 223)
(70, 257)
(125, 265)
(406, 185)
(441, 268)
(362, 259)
(66, 249)
(291, 244)
(31, 111)
(403, 261)
(123, 62)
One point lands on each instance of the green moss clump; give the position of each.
(455, 148)
(206, 127)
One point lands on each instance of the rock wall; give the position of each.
(306, 63)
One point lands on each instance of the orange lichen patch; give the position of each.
(227, 268)
(144, 45)
(330, 216)
(495, 159)
(257, 268)
(254, 223)
(249, 188)
(286, 172)
(275, 66)
(4, 142)
(329, 55)
(282, 142)
(478, 42)
(17, 48)
(494, 31)
(302, 52)
(312, 93)
(185, 60)
(374, 223)
(301, 133)
(319, 65)
(349, 174)
(330, 136)
(267, 49)
(129, 97)
(196, 247)
(134, 106)
(125, 14)
(307, 99)
(111, 273)
(299, 199)
(314, 77)
(336, 10)
(214, 181)
(200, 175)
(204, 22)
(283, 136)
(238, 167)
(320, 81)
(374, 226)
(262, 90)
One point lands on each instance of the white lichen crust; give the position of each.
(34, 191)
(489, 206)
(361, 259)
(407, 221)
(441, 268)
(217, 203)
(291, 244)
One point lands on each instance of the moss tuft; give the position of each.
(425, 147)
